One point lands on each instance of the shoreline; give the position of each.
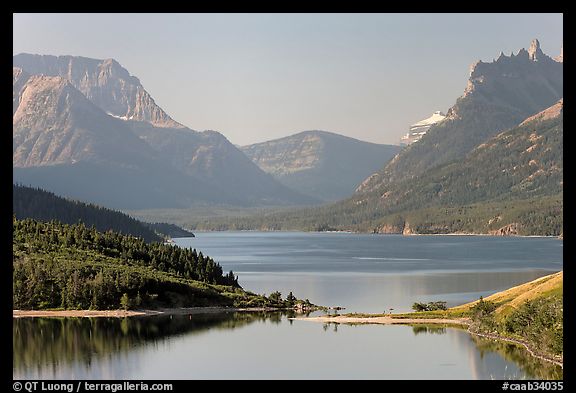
(386, 320)
(372, 233)
(138, 313)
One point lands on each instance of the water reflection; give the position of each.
(428, 329)
(258, 345)
(529, 366)
(49, 342)
(533, 367)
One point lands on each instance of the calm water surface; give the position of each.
(373, 273)
(361, 272)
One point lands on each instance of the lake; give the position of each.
(370, 273)
(373, 273)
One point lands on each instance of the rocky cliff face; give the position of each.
(69, 110)
(499, 96)
(104, 82)
(507, 230)
(55, 124)
(19, 79)
(322, 164)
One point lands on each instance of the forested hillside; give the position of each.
(61, 266)
(41, 205)
(74, 267)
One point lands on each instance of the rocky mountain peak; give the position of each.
(16, 72)
(507, 69)
(560, 58)
(104, 82)
(499, 95)
(49, 95)
(534, 52)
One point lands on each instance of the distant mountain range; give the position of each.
(86, 128)
(321, 164)
(493, 165)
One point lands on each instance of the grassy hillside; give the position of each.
(537, 216)
(532, 216)
(531, 313)
(513, 298)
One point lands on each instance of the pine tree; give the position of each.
(290, 299)
(125, 301)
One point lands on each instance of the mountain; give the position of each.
(520, 164)
(512, 184)
(499, 96)
(122, 122)
(471, 173)
(45, 206)
(55, 124)
(209, 156)
(19, 79)
(322, 164)
(64, 143)
(104, 82)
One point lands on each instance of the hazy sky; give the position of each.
(256, 77)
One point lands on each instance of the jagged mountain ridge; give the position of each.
(497, 179)
(55, 124)
(64, 143)
(104, 82)
(499, 95)
(205, 163)
(320, 163)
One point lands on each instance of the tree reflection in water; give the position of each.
(533, 367)
(51, 341)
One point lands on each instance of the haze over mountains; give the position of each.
(86, 128)
(322, 164)
(499, 95)
(480, 152)
(519, 166)
(494, 165)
